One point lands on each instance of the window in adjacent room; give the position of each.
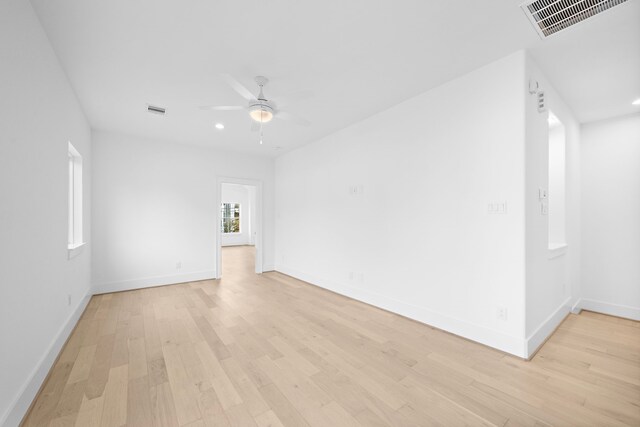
(230, 214)
(75, 199)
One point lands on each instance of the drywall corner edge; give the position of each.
(19, 407)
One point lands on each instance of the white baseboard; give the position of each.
(268, 267)
(486, 336)
(618, 310)
(20, 405)
(149, 282)
(575, 307)
(539, 336)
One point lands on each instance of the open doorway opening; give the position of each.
(557, 183)
(239, 228)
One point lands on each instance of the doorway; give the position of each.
(239, 231)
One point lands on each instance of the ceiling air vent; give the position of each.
(550, 16)
(156, 110)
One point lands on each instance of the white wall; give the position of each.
(417, 238)
(242, 194)
(39, 114)
(553, 277)
(611, 216)
(155, 206)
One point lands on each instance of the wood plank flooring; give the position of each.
(270, 350)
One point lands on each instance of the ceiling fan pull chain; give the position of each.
(260, 129)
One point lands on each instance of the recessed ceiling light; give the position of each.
(219, 126)
(636, 102)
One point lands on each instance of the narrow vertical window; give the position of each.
(557, 183)
(74, 235)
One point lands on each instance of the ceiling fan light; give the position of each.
(261, 115)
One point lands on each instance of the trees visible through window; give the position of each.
(230, 214)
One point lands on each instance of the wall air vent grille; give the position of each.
(550, 16)
(542, 104)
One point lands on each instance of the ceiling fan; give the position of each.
(260, 109)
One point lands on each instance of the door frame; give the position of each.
(258, 242)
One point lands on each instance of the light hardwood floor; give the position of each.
(270, 350)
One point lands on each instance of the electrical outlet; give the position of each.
(499, 208)
(544, 209)
(355, 190)
(501, 313)
(68, 299)
(543, 193)
(178, 265)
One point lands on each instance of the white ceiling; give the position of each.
(357, 56)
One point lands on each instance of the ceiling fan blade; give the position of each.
(222, 107)
(295, 97)
(292, 117)
(238, 87)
